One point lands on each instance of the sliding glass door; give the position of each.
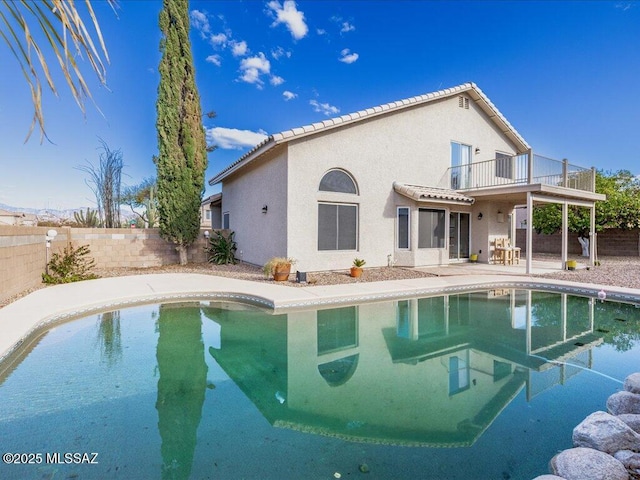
(459, 235)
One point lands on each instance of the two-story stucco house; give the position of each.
(427, 180)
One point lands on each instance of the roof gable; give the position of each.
(284, 137)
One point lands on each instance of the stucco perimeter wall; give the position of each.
(610, 242)
(412, 146)
(23, 251)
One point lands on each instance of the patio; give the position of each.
(540, 266)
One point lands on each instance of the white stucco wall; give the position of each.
(411, 146)
(259, 236)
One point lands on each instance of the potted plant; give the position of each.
(571, 264)
(473, 258)
(279, 268)
(356, 269)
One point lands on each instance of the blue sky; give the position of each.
(564, 74)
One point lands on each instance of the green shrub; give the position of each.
(72, 265)
(221, 249)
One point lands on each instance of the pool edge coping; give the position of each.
(279, 299)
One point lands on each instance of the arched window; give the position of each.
(338, 181)
(338, 216)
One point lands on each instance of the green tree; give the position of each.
(182, 155)
(145, 196)
(31, 29)
(620, 210)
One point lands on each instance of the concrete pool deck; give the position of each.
(24, 318)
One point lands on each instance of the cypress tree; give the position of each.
(182, 156)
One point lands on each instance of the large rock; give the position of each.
(587, 464)
(604, 432)
(623, 402)
(630, 460)
(632, 383)
(631, 419)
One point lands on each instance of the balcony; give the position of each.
(519, 170)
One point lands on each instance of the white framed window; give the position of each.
(337, 226)
(337, 217)
(460, 165)
(225, 220)
(504, 166)
(403, 222)
(207, 214)
(431, 228)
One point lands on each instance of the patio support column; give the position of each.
(592, 235)
(530, 167)
(565, 235)
(529, 233)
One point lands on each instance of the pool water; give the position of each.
(483, 385)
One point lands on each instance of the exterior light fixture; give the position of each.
(480, 216)
(477, 150)
(51, 234)
(265, 208)
(500, 217)
(206, 234)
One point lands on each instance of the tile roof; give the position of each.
(422, 193)
(283, 137)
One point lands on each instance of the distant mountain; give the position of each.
(51, 212)
(55, 213)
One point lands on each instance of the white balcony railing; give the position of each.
(518, 170)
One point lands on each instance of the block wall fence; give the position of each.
(23, 251)
(621, 243)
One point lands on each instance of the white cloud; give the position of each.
(234, 139)
(289, 14)
(200, 22)
(276, 80)
(321, 31)
(347, 56)
(288, 95)
(347, 27)
(215, 59)
(324, 108)
(219, 39)
(253, 67)
(624, 6)
(239, 49)
(279, 52)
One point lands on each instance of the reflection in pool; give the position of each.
(213, 390)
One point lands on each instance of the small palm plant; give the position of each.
(356, 269)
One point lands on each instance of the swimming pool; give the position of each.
(483, 384)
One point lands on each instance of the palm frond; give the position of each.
(39, 32)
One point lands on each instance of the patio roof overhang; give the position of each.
(518, 193)
(421, 193)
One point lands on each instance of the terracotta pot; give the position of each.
(281, 273)
(356, 272)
